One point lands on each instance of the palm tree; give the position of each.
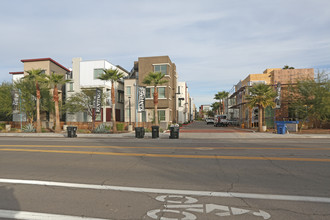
(155, 79)
(55, 80)
(261, 96)
(36, 75)
(112, 75)
(221, 96)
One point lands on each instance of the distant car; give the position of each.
(209, 121)
(221, 121)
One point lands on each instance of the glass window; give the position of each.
(97, 73)
(121, 96)
(160, 68)
(161, 92)
(161, 115)
(128, 90)
(150, 92)
(180, 103)
(71, 87)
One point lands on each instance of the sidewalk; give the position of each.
(182, 135)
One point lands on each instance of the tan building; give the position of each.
(274, 77)
(166, 92)
(49, 66)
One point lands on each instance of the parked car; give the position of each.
(209, 121)
(221, 121)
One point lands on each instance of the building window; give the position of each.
(120, 96)
(180, 103)
(71, 87)
(179, 89)
(161, 68)
(161, 115)
(161, 92)
(128, 90)
(150, 92)
(97, 73)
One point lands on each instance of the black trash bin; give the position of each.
(139, 132)
(155, 131)
(174, 132)
(72, 131)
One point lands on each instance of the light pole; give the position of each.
(129, 110)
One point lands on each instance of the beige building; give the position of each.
(49, 66)
(166, 92)
(274, 77)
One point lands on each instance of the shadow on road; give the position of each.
(8, 200)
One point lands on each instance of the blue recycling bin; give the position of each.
(281, 127)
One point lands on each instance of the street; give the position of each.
(167, 179)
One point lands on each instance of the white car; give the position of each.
(209, 121)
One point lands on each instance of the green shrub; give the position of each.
(120, 126)
(101, 129)
(29, 128)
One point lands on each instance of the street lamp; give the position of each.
(129, 110)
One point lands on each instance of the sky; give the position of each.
(214, 43)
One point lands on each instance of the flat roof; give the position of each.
(16, 73)
(45, 59)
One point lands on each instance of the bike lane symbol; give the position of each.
(182, 206)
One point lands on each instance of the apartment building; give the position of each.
(49, 66)
(203, 109)
(280, 79)
(182, 103)
(166, 92)
(84, 76)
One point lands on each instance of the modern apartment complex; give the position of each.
(84, 76)
(49, 66)
(280, 79)
(174, 102)
(166, 92)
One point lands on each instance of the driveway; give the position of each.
(202, 127)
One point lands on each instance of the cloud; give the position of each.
(214, 43)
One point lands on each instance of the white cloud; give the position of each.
(214, 43)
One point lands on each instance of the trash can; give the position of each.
(155, 131)
(281, 128)
(174, 132)
(72, 131)
(139, 132)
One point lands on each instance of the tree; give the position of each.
(286, 67)
(113, 76)
(221, 96)
(310, 99)
(26, 88)
(56, 80)
(155, 79)
(215, 107)
(38, 76)
(6, 101)
(210, 113)
(261, 96)
(82, 102)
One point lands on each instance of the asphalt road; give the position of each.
(57, 178)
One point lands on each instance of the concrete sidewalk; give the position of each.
(182, 135)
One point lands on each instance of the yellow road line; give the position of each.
(173, 156)
(178, 148)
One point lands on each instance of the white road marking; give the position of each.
(9, 214)
(171, 191)
(204, 209)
